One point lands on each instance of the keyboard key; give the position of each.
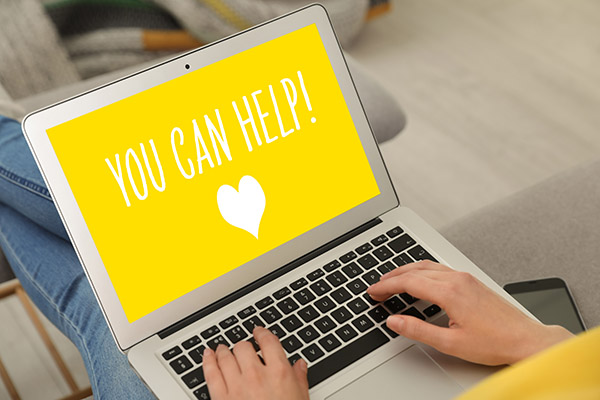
(212, 331)
(432, 310)
(277, 331)
(181, 364)
(402, 259)
(325, 304)
(316, 274)
(371, 277)
(281, 293)
(394, 304)
(308, 313)
(270, 315)
(369, 299)
(346, 333)
(367, 261)
(202, 393)
(346, 356)
(236, 334)
(330, 342)
(287, 305)
(413, 312)
(419, 253)
(304, 296)
(197, 354)
(402, 243)
(392, 233)
(357, 286)
(341, 295)
(194, 378)
(378, 314)
(214, 342)
(357, 305)
(325, 324)
(291, 343)
(351, 270)
(175, 351)
(291, 323)
(246, 312)
(308, 334)
(341, 314)
(349, 256)
(252, 323)
(226, 323)
(382, 253)
(363, 323)
(386, 267)
(389, 331)
(331, 266)
(264, 302)
(313, 352)
(363, 249)
(293, 358)
(320, 287)
(191, 342)
(408, 298)
(298, 284)
(336, 278)
(379, 240)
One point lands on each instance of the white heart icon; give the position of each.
(243, 208)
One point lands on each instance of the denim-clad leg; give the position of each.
(21, 185)
(33, 240)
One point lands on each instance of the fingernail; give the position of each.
(395, 322)
(258, 329)
(303, 365)
(222, 347)
(207, 352)
(384, 276)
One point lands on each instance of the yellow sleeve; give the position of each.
(570, 370)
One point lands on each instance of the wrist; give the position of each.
(541, 337)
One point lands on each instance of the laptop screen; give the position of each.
(186, 181)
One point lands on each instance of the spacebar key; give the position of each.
(346, 356)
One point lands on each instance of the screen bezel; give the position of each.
(35, 124)
(538, 285)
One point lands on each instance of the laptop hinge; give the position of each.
(266, 279)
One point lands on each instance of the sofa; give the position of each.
(550, 229)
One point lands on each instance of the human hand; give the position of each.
(484, 328)
(242, 375)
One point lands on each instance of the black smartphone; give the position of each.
(550, 301)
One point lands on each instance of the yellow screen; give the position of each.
(186, 181)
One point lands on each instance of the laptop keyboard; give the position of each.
(326, 317)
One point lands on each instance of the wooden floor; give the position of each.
(499, 95)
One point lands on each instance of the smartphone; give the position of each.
(550, 301)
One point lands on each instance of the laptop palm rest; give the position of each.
(410, 374)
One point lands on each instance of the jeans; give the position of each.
(36, 245)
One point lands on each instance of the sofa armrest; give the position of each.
(551, 229)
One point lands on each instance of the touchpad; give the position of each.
(409, 375)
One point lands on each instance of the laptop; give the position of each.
(240, 185)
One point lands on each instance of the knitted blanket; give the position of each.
(57, 42)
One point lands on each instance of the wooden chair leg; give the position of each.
(46, 339)
(15, 288)
(12, 390)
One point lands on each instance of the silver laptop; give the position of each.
(240, 185)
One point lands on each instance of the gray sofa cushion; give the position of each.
(551, 229)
